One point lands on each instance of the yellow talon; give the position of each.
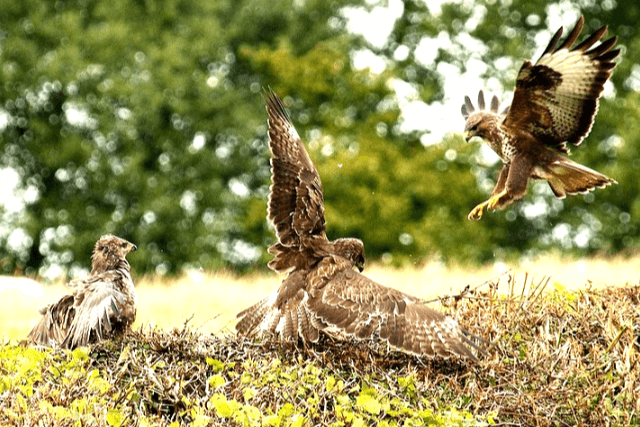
(493, 201)
(476, 213)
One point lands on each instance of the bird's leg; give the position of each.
(493, 203)
(476, 213)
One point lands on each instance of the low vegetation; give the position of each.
(555, 357)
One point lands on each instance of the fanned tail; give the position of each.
(260, 317)
(289, 320)
(569, 177)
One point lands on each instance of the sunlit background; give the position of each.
(152, 126)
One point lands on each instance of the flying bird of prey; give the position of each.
(554, 103)
(101, 306)
(322, 290)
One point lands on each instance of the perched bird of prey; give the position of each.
(322, 291)
(554, 103)
(101, 306)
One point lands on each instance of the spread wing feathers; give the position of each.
(569, 177)
(281, 314)
(557, 98)
(296, 201)
(481, 104)
(287, 321)
(468, 108)
(358, 306)
(101, 310)
(56, 320)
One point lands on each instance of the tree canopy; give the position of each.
(146, 120)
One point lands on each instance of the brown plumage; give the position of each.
(322, 292)
(101, 306)
(555, 103)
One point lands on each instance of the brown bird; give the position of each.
(101, 306)
(554, 103)
(322, 291)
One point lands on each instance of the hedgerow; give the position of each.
(554, 358)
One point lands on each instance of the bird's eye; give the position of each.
(474, 128)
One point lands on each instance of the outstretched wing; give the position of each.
(56, 320)
(358, 306)
(296, 201)
(557, 98)
(281, 313)
(100, 309)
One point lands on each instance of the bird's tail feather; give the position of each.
(252, 317)
(569, 177)
(290, 321)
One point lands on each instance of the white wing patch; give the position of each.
(578, 73)
(293, 134)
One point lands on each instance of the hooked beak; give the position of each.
(467, 136)
(133, 248)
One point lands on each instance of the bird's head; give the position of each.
(109, 251)
(351, 249)
(480, 122)
(477, 125)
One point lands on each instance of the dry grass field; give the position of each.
(210, 300)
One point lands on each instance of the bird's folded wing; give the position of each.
(98, 304)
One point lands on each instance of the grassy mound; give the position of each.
(556, 358)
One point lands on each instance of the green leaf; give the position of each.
(286, 410)
(271, 420)
(343, 399)
(248, 415)
(160, 364)
(331, 383)
(21, 402)
(216, 381)
(224, 408)
(246, 378)
(297, 421)
(97, 383)
(186, 401)
(144, 422)
(200, 420)
(248, 393)
(368, 402)
(81, 353)
(217, 365)
(114, 417)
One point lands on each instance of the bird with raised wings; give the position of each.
(322, 291)
(554, 103)
(101, 306)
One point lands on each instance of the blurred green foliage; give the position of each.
(145, 119)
